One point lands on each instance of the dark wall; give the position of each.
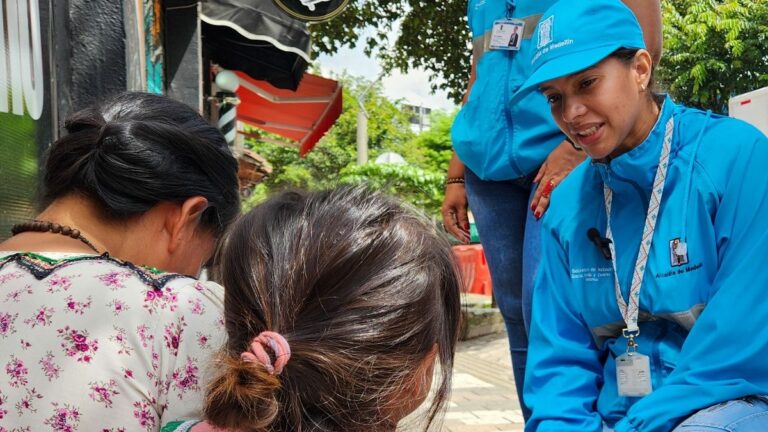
(181, 41)
(90, 51)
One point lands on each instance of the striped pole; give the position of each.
(228, 116)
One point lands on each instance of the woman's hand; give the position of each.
(454, 212)
(555, 168)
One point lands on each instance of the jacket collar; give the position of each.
(638, 166)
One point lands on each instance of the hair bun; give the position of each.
(242, 393)
(86, 119)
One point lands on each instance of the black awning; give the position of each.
(256, 37)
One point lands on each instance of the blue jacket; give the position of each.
(493, 139)
(703, 317)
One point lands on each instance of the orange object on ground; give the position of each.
(476, 277)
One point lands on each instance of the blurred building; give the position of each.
(418, 117)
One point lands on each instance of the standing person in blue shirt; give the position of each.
(649, 308)
(507, 149)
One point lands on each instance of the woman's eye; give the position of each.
(586, 83)
(553, 99)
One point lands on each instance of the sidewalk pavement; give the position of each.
(483, 397)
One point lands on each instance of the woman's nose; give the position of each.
(572, 110)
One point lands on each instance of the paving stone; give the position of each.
(483, 397)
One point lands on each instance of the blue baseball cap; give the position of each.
(574, 35)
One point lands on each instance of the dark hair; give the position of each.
(361, 288)
(136, 150)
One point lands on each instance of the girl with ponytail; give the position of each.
(337, 306)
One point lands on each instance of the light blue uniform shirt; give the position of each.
(493, 139)
(703, 317)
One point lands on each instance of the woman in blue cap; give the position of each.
(649, 310)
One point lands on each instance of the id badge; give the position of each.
(507, 34)
(633, 373)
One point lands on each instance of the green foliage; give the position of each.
(433, 35)
(714, 50)
(421, 188)
(333, 161)
(431, 149)
(19, 137)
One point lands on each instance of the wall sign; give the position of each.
(21, 66)
(312, 10)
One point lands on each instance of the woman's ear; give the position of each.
(181, 224)
(643, 68)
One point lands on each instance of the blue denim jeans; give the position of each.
(749, 414)
(510, 237)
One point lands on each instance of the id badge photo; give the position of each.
(507, 34)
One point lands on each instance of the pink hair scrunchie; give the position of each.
(258, 353)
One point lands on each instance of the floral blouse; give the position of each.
(93, 343)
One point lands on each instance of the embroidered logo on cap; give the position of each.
(545, 32)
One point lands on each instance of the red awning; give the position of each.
(303, 116)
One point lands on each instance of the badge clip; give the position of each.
(631, 344)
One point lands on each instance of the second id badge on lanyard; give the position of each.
(633, 374)
(507, 34)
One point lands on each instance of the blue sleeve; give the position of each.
(563, 372)
(724, 355)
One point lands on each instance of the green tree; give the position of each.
(430, 150)
(421, 188)
(714, 50)
(432, 35)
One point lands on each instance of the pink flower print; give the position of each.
(121, 339)
(118, 306)
(145, 335)
(50, 369)
(3, 411)
(143, 413)
(17, 371)
(26, 403)
(202, 340)
(199, 286)
(127, 373)
(77, 307)
(172, 335)
(64, 419)
(155, 300)
(114, 279)
(58, 283)
(197, 306)
(24, 344)
(9, 277)
(155, 366)
(15, 296)
(6, 324)
(185, 378)
(171, 298)
(41, 317)
(102, 392)
(76, 344)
